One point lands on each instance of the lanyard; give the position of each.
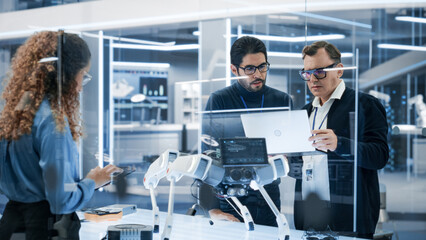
(315, 116)
(245, 105)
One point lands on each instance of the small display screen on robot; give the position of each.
(243, 151)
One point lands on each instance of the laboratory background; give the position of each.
(155, 64)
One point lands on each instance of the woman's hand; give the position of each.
(101, 176)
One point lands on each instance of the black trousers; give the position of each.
(36, 220)
(319, 215)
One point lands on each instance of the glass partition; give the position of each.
(142, 72)
(284, 37)
(152, 83)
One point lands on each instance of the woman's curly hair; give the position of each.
(30, 81)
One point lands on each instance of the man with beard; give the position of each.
(249, 58)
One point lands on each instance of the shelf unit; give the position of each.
(187, 97)
(138, 78)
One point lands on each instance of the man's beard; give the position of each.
(255, 89)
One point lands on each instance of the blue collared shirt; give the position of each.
(43, 166)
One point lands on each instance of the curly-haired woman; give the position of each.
(39, 128)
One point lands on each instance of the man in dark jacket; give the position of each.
(248, 58)
(332, 122)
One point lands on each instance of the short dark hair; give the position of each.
(246, 45)
(331, 50)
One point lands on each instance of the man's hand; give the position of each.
(324, 139)
(217, 214)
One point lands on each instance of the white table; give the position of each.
(190, 228)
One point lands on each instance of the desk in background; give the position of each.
(190, 228)
(134, 142)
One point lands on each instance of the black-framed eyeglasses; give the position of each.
(86, 78)
(250, 69)
(319, 73)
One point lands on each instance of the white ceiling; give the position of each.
(122, 14)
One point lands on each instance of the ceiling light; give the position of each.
(299, 55)
(197, 33)
(140, 41)
(401, 47)
(346, 55)
(339, 68)
(121, 39)
(297, 39)
(141, 64)
(214, 80)
(157, 48)
(283, 17)
(285, 54)
(333, 19)
(410, 19)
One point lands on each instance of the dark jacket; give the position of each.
(230, 98)
(373, 154)
(229, 125)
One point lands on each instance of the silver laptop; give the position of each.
(286, 132)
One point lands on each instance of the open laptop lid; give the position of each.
(225, 123)
(286, 132)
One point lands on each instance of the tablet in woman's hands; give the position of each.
(116, 175)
